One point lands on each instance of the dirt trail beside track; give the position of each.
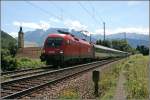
(120, 90)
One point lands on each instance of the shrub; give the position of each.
(28, 63)
(8, 63)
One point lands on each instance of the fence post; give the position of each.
(95, 80)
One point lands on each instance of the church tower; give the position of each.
(20, 38)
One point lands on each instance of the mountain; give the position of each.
(129, 35)
(133, 39)
(38, 36)
(122, 35)
(135, 42)
(6, 40)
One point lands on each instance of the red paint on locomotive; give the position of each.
(61, 48)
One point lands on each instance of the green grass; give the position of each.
(108, 80)
(28, 63)
(135, 69)
(136, 72)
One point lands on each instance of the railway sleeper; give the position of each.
(5, 93)
(13, 88)
(19, 85)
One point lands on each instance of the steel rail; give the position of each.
(23, 70)
(27, 91)
(48, 72)
(27, 73)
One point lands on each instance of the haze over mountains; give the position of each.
(38, 36)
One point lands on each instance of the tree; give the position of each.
(106, 43)
(7, 62)
(143, 49)
(13, 49)
(121, 45)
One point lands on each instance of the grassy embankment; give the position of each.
(25, 62)
(136, 73)
(135, 69)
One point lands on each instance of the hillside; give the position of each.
(6, 40)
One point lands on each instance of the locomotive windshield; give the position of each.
(54, 42)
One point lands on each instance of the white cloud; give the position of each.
(74, 24)
(131, 3)
(138, 30)
(13, 34)
(54, 20)
(42, 25)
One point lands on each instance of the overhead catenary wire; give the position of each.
(86, 10)
(51, 14)
(61, 9)
(70, 15)
(92, 16)
(99, 17)
(95, 11)
(43, 10)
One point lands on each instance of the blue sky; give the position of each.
(119, 16)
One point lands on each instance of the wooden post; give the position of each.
(95, 80)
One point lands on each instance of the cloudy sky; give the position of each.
(119, 16)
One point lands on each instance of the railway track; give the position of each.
(5, 76)
(16, 88)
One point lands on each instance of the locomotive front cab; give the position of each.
(53, 50)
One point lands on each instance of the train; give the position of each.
(62, 48)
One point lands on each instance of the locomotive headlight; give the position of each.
(61, 52)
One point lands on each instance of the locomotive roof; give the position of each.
(70, 36)
(57, 34)
(109, 49)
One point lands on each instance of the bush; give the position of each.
(12, 49)
(25, 59)
(28, 63)
(8, 63)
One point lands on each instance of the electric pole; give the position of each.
(125, 36)
(104, 30)
(90, 38)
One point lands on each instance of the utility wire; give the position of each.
(94, 11)
(86, 10)
(60, 8)
(43, 10)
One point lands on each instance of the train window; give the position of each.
(54, 42)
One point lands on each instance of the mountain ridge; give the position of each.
(38, 36)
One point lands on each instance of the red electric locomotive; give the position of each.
(63, 47)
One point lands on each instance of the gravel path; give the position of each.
(120, 92)
(81, 83)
